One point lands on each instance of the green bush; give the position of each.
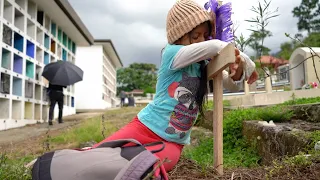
(275, 113)
(12, 170)
(314, 138)
(237, 152)
(241, 156)
(297, 101)
(232, 123)
(89, 130)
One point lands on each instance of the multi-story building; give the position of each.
(98, 89)
(34, 33)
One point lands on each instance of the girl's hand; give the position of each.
(254, 76)
(236, 69)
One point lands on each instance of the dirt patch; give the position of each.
(29, 140)
(24, 133)
(189, 170)
(302, 125)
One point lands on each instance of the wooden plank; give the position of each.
(225, 57)
(218, 123)
(214, 70)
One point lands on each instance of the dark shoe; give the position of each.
(60, 122)
(50, 123)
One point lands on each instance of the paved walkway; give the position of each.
(30, 131)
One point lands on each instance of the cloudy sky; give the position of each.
(137, 27)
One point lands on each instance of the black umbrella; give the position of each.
(62, 73)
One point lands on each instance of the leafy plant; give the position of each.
(241, 42)
(237, 152)
(261, 21)
(89, 130)
(276, 114)
(242, 156)
(314, 138)
(12, 170)
(297, 101)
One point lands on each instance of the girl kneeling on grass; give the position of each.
(182, 82)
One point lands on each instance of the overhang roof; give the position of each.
(62, 13)
(110, 50)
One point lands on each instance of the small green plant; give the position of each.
(297, 101)
(276, 114)
(237, 152)
(89, 130)
(242, 156)
(289, 166)
(233, 120)
(12, 170)
(286, 88)
(298, 161)
(314, 137)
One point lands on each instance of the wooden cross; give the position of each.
(214, 69)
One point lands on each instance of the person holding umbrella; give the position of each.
(56, 95)
(60, 74)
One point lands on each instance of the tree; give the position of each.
(255, 42)
(308, 13)
(313, 40)
(241, 42)
(261, 21)
(287, 48)
(137, 76)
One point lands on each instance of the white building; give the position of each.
(98, 89)
(33, 34)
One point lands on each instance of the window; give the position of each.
(284, 73)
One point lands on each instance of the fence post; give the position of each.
(246, 88)
(214, 70)
(268, 85)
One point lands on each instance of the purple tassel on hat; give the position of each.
(223, 20)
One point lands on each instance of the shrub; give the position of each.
(237, 152)
(12, 170)
(297, 101)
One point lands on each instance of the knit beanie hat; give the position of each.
(183, 17)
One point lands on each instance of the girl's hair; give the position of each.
(203, 87)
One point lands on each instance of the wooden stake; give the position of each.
(218, 123)
(214, 69)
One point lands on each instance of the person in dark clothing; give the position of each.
(122, 97)
(55, 93)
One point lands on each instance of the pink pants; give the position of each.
(138, 131)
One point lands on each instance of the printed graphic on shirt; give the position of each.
(185, 112)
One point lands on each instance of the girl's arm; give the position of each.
(204, 50)
(197, 52)
(230, 84)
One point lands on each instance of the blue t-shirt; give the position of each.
(174, 110)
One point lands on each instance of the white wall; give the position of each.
(272, 98)
(306, 71)
(298, 72)
(88, 93)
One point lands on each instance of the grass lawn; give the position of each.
(196, 160)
